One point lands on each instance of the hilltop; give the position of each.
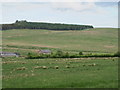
(42, 25)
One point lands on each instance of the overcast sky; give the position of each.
(98, 14)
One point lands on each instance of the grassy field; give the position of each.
(80, 73)
(94, 40)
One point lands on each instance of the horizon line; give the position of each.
(60, 23)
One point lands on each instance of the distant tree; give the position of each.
(67, 55)
(117, 54)
(16, 21)
(59, 53)
(80, 53)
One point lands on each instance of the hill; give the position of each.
(49, 26)
(96, 72)
(92, 40)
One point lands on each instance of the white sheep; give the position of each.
(56, 67)
(44, 67)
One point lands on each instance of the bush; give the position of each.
(80, 53)
(59, 53)
(117, 54)
(29, 55)
(67, 55)
(73, 56)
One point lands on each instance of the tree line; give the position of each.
(39, 25)
(61, 54)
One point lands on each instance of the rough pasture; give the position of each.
(41, 73)
(64, 73)
(92, 40)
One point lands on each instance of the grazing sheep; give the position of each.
(4, 62)
(67, 66)
(22, 68)
(56, 67)
(37, 67)
(44, 67)
(33, 74)
(23, 63)
(93, 64)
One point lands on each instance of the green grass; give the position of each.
(93, 40)
(103, 75)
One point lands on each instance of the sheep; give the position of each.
(22, 68)
(4, 62)
(33, 74)
(23, 63)
(44, 67)
(93, 64)
(26, 75)
(67, 66)
(37, 67)
(56, 67)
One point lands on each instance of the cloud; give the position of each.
(83, 6)
(76, 6)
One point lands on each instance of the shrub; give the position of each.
(29, 55)
(59, 53)
(117, 54)
(67, 55)
(80, 53)
(73, 56)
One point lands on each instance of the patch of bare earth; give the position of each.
(32, 45)
(106, 46)
(44, 46)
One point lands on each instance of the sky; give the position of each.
(93, 12)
